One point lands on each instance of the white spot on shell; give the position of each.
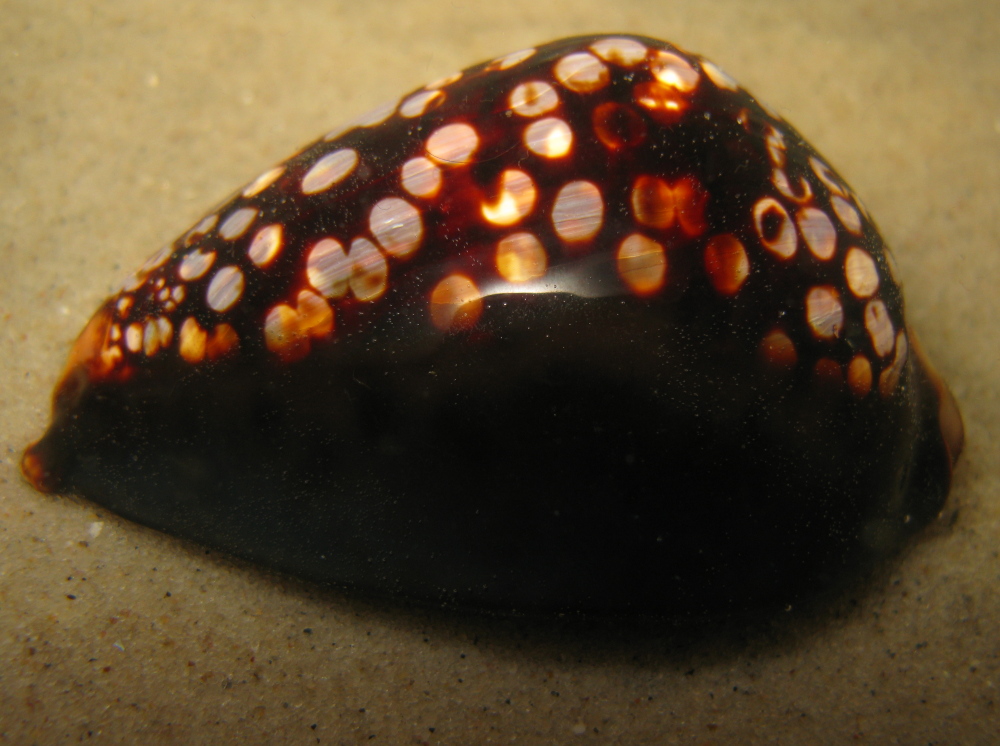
(620, 51)
(824, 312)
(780, 180)
(419, 103)
(266, 245)
(195, 264)
(879, 327)
(818, 231)
(581, 72)
(508, 61)
(674, 71)
(847, 214)
(533, 98)
(453, 144)
(442, 82)
(420, 177)
(549, 137)
(328, 170)
(825, 174)
(521, 257)
(861, 272)
(225, 288)
(263, 181)
(718, 76)
(376, 116)
(396, 225)
(236, 224)
(578, 211)
(156, 260)
(133, 337)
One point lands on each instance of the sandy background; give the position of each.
(122, 122)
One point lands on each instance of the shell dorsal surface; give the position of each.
(582, 328)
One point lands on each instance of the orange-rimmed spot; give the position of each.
(455, 303)
(726, 264)
(642, 264)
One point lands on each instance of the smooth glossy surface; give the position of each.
(581, 328)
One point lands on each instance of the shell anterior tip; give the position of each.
(35, 470)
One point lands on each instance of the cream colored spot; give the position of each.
(266, 245)
(195, 264)
(418, 103)
(549, 137)
(890, 376)
(376, 116)
(442, 82)
(225, 288)
(521, 257)
(780, 180)
(776, 147)
(674, 71)
(818, 231)
(396, 225)
(124, 305)
(263, 181)
(332, 272)
(156, 261)
(193, 340)
(642, 264)
(847, 214)
(455, 303)
(421, 178)
(328, 170)
(151, 338)
(159, 332)
(133, 337)
(824, 312)
(582, 72)
(288, 331)
(825, 175)
(859, 376)
(203, 227)
(578, 211)
(774, 227)
(453, 144)
(116, 333)
(620, 51)
(236, 224)
(166, 330)
(879, 327)
(178, 293)
(533, 98)
(515, 201)
(718, 76)
(778, 350)
(726, 264)
(508, 61)
(861, 272)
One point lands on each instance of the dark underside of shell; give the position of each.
(599, 461)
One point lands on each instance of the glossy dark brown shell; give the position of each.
(585, 328)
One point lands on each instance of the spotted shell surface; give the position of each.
(583, 328)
